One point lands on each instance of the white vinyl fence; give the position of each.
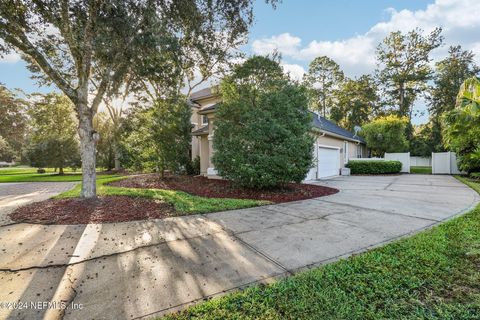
(403, 157)
(445, 163)
(420, 161)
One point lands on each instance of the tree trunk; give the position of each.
(87, 152)
(116, 157)
(60, 171)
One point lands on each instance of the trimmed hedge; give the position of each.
(374, 166)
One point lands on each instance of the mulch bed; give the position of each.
(100, 210)
(214, 188)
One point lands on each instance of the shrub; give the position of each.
(193, 167)
(262, 127)
(475, 175)
(374, 166)
(41, 170)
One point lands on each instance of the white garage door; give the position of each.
(328, 162)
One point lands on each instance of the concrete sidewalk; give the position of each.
(148, 268)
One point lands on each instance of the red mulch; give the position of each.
(100, 210)
(214, 188)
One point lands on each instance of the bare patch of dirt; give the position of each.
(100, 210)
(214, 188)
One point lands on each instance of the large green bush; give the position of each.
(374, 166)
(462, 126)
(261, 137)
(386, 134)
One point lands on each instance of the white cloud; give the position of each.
(296, 71)
(356, 55)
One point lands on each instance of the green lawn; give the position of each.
(421, 170)
(432, 275)
(27, 174)
(183, 202)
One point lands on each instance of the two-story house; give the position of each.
(333, 145)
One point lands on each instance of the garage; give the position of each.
(328, 162)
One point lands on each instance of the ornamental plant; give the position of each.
(261, 136)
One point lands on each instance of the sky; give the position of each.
(347, 31)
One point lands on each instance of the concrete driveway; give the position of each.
(148, 268)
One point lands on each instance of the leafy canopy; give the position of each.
(386, 134)
(53, 141)
(462, 126)
(261, 136)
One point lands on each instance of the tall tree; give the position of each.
(53, 141)
(13, 122)
(158, 137)
(450, 73)
(404, 67)
(324, 76)
(88, 47)
(356, 102)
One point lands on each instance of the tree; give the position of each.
(262, 126)
(462, 126)
(13, 122)
(403, 67)
(386, 134)
(159, 137)
(88, 48)
(357, 102)
(421, 144)
(323, 78)
(6, 152)
(104, 125)
(53, 140)
(450, 73)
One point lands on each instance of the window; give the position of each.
(345, 152)
(359, 151)
(204, 119)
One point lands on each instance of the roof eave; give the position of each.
(328, 133)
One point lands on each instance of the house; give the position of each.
(333, 144)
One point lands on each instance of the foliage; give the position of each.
(462, 126)
(183, 202)
(89, 49)
(193, 167)
(449, 76)
(386, 134)
(432, 275)
(403, 67)
(422, 144)
(104, 125)
(13, 124)
(475, 175)
(374, 166)
(324, 76)
(53, 140)
(6, 152)
(158, 138)
(261, 127)
(356, 102)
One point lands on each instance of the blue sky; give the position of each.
(345, 30)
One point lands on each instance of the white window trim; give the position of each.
(345, 152)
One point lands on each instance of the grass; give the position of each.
(421, 170)
(183, 202)
(432, 275)
(27, 174)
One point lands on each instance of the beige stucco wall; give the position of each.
(338, 142)
(196, 120)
